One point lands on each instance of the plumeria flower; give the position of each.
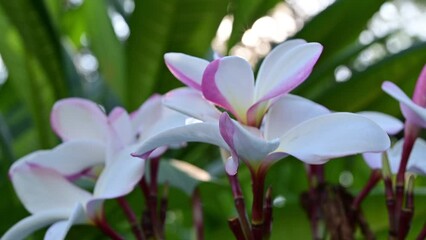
(45, 180)
(271, 123)
(416, 161)
(293, 126)
(414, 110)
(229, 83)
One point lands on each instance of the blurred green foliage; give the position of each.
(41, 41)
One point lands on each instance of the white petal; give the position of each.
(373, 160)
(30, 224)
(289, 111)
(120, 176)
(412, 112)
(75, 118)
(120, 123)
(416, 161)
(287, 66)
(70, 158)
(153, 117)
(191, 103)
(387, 122)
(189, 70)
(229, 83)
(41, 189)
(207, 132)
(59, 230)
(245, 144)
(333, 135)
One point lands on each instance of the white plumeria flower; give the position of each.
(44, 180)
(229, 82)
(414, 110)
(292, 125)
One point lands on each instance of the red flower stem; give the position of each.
(107, 230)
(267, 209)
(390, 204)
(315, 178)
(408, 212)
(163, 205)
(235, 226)
(410, 134)
(131, 217)
(422, 234)
(257, 220)
(240, 206)
(197, 215)
(375, 177)
(152, 201)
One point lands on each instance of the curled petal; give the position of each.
(243, 143)
(75, 118)
(42, 189)
(231, 166)
(289, 111)
(388, 123)
(286, 67)
(333, 135)
(70, 159)
(120, 175)
(229, 83)
(191, 103)
(59, 230)
(189, 70)
(206, 132)
(30, 224)
(412, 112)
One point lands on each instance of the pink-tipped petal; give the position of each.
(229, 83)
(243, 143)
(189, 70)
(76, 118)
(333, 135)
(59, 230)
(120, 176)
(121, 126)
(412, 112)
(24, 228)
(42, 189)
(373, 160)
(191, 103)
(388, 123)
(287, 112)
(69, 159)
(206, 132)
(286, 68)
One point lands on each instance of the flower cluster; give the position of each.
(254, 121)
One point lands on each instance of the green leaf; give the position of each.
(365, 87)
(164, 26)
(39, 38)
(105, 45)
(28, 81)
